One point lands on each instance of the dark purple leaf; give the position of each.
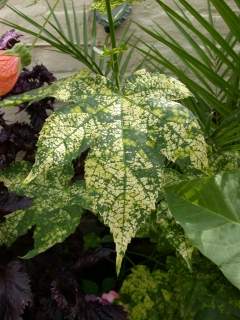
(98, 311)
(32, 79)
(15, 291)
(29, 80)
(10, 201)
(38, 112)
(77, 306)
(90, 258)
(9, 39)
(14, 138)
(22, 137)
(64, 290)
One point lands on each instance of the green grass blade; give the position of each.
(237, 2)
(85, 59)
(67, 19)
(229, 16)
(54, 16)
(85, 31)
(76, 25)
(57, 44)
(205, 39)
(29, 20)
(125, 62)
(94, 35)
(197, 47)
(210, 29)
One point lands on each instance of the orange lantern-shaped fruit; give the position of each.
(11, 63)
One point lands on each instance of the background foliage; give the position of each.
(177, 293)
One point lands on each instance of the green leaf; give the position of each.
(130, 136)
(208, 210)
(54, 214)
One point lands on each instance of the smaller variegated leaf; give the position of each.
(55, 212)
(130, 135)
(174, 234)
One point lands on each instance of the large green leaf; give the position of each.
(209, 211)
(54, 214)
(130, 135)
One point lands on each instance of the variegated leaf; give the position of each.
(54, 214)
(130, 135)
(100, 5)
(174, 234)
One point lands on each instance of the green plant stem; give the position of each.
(114, 44)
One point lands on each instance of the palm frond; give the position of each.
(208, 64)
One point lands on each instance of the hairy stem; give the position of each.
(114, 44)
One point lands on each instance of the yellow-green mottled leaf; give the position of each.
(144, 85)
(14, 175)
(54, 214)
(100, 5)
(130, 135)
